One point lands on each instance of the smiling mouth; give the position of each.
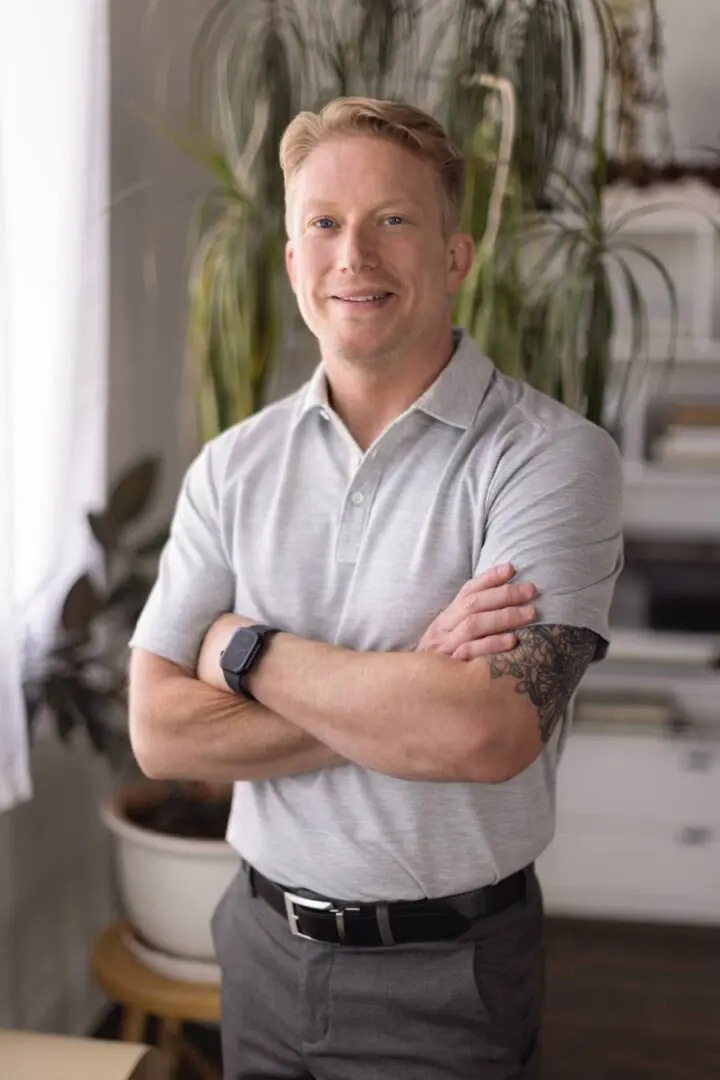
(364, 299)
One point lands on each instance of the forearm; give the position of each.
(427, 717)
(182, 729)
(406, 714)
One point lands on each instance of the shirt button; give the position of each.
(357, 498)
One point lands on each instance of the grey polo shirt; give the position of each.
(284, 520)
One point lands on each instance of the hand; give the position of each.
(481, 618)
(208, 668)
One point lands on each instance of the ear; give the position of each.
(461, 254)
(290, 264)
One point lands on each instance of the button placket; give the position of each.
(356, 510)
(362, 488)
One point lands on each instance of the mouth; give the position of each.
(369, 301)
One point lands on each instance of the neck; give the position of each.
(367, 400)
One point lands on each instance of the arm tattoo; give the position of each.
(548, 662)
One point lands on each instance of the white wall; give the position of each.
(148, 230)
(692, 33)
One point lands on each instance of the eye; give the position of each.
(395, 219)
(323, 223)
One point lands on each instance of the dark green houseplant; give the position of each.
(80, 685)
(82, 681)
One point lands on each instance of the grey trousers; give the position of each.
(451, 1010)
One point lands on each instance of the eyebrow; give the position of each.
(389, 204)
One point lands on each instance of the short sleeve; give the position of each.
(195, 582)
(554, 511)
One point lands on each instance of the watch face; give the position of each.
(240, 650)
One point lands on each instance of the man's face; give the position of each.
(368, 259)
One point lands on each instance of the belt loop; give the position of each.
(383, 920)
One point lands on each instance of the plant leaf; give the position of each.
(34, 694)
(81, 605)
(104, 529)
(154, 544)
(133, 491)
(131, 591)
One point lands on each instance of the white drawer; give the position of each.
(639, 778)
(593, 868)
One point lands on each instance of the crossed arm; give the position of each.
(419, 715)
(423, 716)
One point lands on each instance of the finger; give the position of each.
(489, 646)
(491, 578)
(515, 594)
(467, 603)
(494, 575)
(489, 623)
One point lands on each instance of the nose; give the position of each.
(357, 251)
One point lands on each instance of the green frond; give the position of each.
(541, 300)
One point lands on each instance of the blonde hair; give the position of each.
(405, 125)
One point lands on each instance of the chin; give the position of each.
(361, 356)
(362, 348)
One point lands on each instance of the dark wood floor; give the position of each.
(624, 1002)
(631, 1002)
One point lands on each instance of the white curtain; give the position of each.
(54, 196)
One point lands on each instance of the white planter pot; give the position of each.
(169, 886)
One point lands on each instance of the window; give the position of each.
(54, 200)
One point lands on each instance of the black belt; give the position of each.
(342, 923)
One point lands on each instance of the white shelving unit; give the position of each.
(672, 504)
(678, 224)
(638, 826)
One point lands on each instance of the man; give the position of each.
(394, 771)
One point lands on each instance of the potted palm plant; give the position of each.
(542, 300)
(552, 268)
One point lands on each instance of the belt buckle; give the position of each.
(292, 900)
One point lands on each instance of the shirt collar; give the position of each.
(454, 397)
(314, 398)
(458, 391)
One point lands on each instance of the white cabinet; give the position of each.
(640, 780)
(638, 816)
(608, 872)
(638, 829)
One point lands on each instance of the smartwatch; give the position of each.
(241, 652)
